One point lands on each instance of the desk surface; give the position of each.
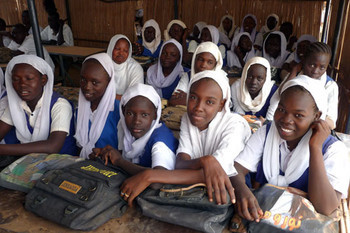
(75, 51)
(3, 65)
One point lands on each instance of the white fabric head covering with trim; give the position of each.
(299, 160)
(214, 32)
(307, 37)
(211, 48)
(190, 136)
(41, 129)
(175, 21)
(244, 99)
(87, 138)
(153, 45)
(2, 82)
(253, 33)
(200, 25)
(124, 72)
(279, 61)
(155, 76)
(133, 148)
(266, 29)
(232, 59)
(221, 27)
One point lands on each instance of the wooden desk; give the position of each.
(70, 51)
(3, 65)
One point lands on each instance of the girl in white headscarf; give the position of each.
(297, 150)
(172, 32)
(3, 98)
(195, 37)
(211, 33)
(151, 39)
(98, 112)
(42, 119)
(144, 141)
(167, 72)
(206, 57)
(251, 95)
(241, 50)
(210, 139)
(271, 25)
(127, 71)
(226, 29)
(249, 24)
(275, 49)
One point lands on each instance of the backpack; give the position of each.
(82, 196)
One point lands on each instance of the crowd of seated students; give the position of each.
(118, 116)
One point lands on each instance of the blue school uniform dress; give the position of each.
(168, 91)
(146, 52)
(109, 134)
(161, 134)
(263, 110)
(302, 182)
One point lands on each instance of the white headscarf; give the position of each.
(125, 72)
(279, 61)
(245, 101)
(42, 125)
(200, 25)
(133, 148)
(211, 48)
(175, 21)
(214, 32)
(85, 137)
(190, 136)
(2, 82)
(307, 37)
(265, 28)
(221, 27)
(153, 45)
(232, 59)
(155, 76)
(299, 160)
(253, 33)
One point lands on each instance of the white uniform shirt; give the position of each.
(335, 159)
(48, 34)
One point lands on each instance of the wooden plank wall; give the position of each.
(98, 21)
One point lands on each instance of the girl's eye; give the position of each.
(129, 113)
(192, 97)
(210, 62)
(298, 115)
(210, 102)
(280, 109)
(145, 114)
(94, 83)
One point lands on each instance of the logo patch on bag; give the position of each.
(107, 173)
(70, 187)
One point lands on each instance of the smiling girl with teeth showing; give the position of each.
(295, 150)
(42, 119)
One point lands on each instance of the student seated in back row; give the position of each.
(207, 56)
(251, 95)
(42, 119)
(98, 109)
(127, 71)
(144, 142)
(295, 150)
(210, 139)
(165, 75)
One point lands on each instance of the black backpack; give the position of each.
(82, 196)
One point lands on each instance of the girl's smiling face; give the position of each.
(204, 61)
(204, 102)
(315, 65)
(28, 83)
(121, 51)
(294, 115)
(139, 113)
(93, 82)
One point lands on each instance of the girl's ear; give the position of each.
(43, 80)
(222, 104)
(318, 115)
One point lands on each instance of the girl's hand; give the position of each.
(216, 180)
(133, 186)
(247, 206)
(320, 132)
(95, 153)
